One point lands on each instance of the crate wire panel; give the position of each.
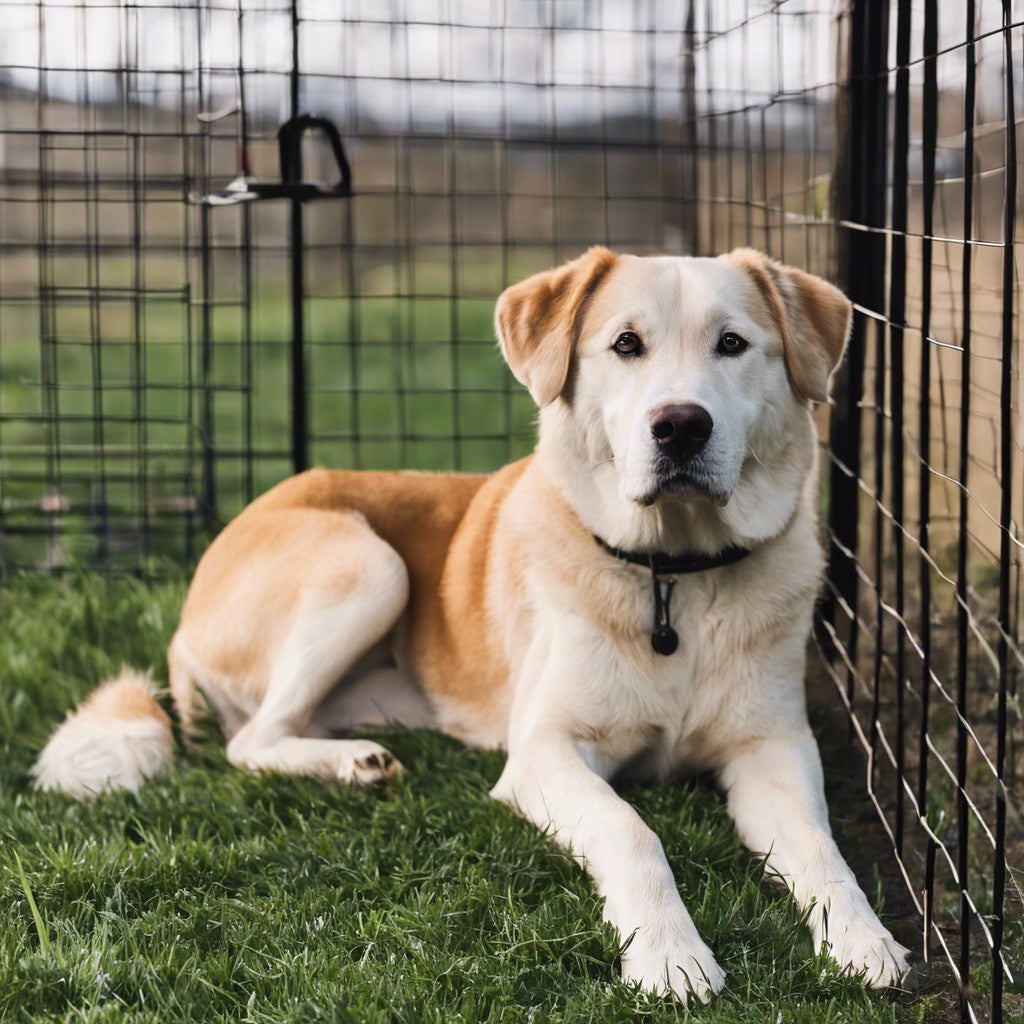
(894, 168)
(95, 346)
(936, 470)
(145, 336)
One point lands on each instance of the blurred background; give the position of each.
(147, 334)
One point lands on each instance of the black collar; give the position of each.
(664, 639)
(677, 565)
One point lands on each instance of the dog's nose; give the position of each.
(681, 430)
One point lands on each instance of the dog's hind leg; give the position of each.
(330, 631)
(279, 617)
(329, 634)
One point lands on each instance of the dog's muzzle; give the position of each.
(681, 434)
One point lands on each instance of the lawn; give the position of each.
(217, 895)
(111, 407)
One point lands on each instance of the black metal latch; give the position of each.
(245, 188)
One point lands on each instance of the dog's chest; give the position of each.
(683, 710)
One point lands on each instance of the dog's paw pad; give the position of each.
(371, 766)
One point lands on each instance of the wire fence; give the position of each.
(894, 165)
(238, 238)
(926, 479)
(187, 317)
(926, 484)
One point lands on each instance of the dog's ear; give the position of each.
(538, 319)
(813, 316)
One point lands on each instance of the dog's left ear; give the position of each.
(813, 315)
(538, 319)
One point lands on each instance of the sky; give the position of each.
(431, 64)
(411, 62)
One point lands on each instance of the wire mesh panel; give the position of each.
(907, 143)
(766, 99)
(929, 618)
(178, 333)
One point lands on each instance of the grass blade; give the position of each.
(44, 938)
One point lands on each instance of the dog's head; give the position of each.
(684, 377)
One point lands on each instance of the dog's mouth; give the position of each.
(687, 483)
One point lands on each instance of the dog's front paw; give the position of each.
(861, 944)
(879, 958)
(686, 969)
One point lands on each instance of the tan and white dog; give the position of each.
(674, 399)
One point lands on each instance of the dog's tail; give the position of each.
(117, 739)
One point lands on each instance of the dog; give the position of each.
(635, 596)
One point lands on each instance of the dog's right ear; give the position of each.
(538, 319)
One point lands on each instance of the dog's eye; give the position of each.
(628, 344)
(731, 345)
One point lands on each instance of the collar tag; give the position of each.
(664, 568)
(664, 639)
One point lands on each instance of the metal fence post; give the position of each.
(690, 168)
(861, 181)
(1006, 630)
(296, 257)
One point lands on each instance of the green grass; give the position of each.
(217, 895)
(102, 394)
